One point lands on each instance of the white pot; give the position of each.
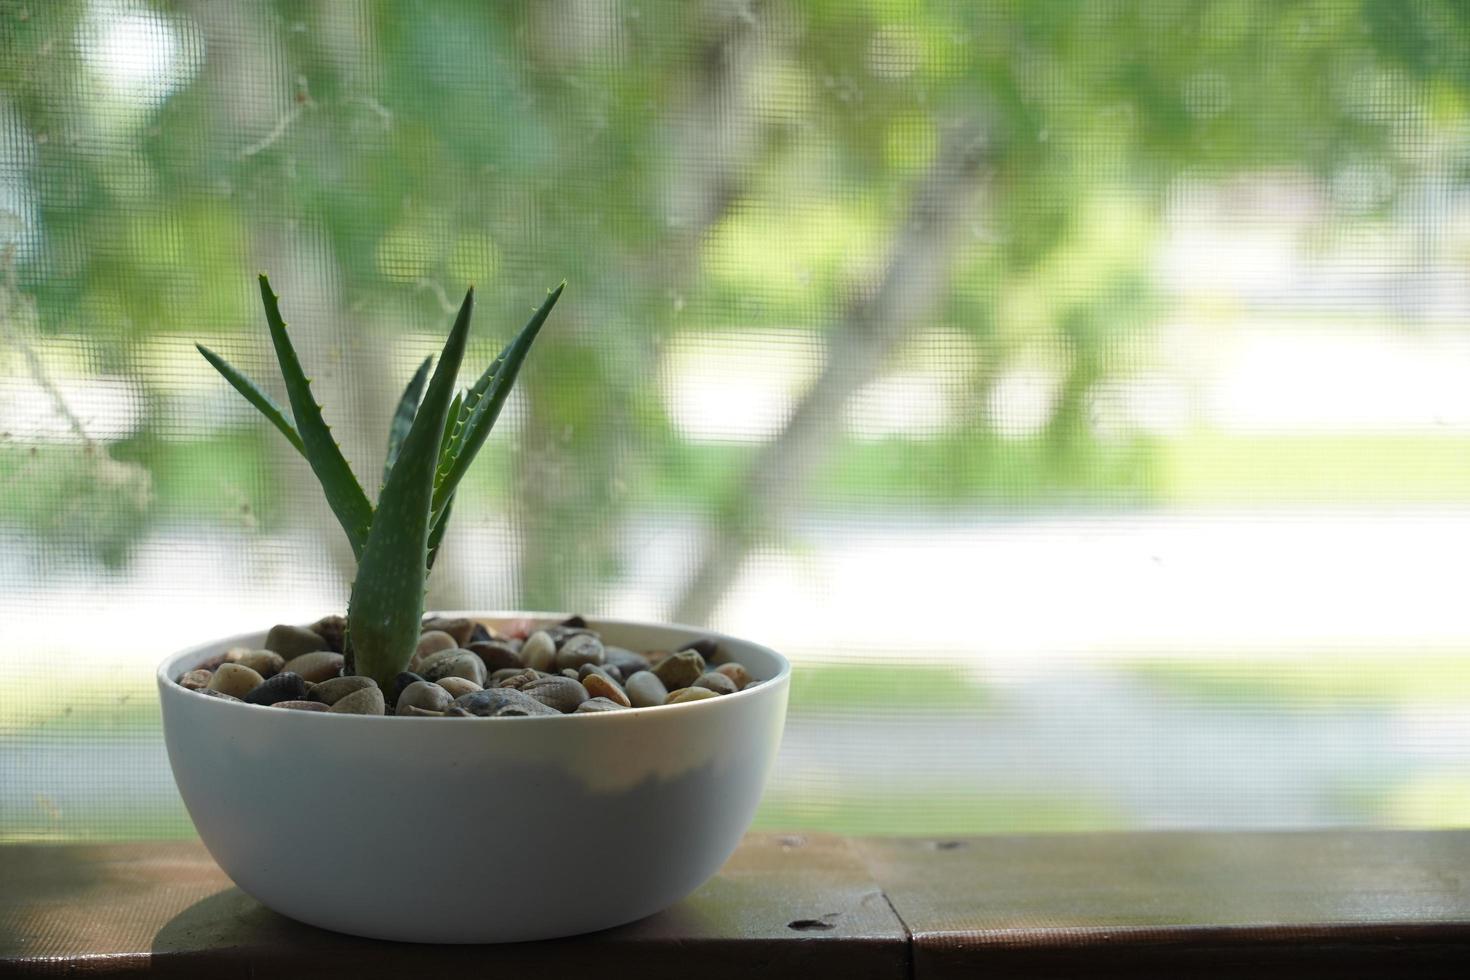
(460, 830)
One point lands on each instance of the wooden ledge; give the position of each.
(1087, 905)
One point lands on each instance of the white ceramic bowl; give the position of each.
(459, 830)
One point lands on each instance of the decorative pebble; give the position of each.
(599, 686)
(285, 686)
(316, 667)
(234, 680)
(423, 694)
(334, 689)
(458, 686)
(266, 663)
(461, 630)
(220, 694)
(484, 633)
(454, 663)
(627, 662)
(404, 679)
(690, 694)
(496, 656)
(416, 712)
(332, 629)
(572, 673)
(718, 683)
(539, 651)
(611, 673)
(301, 705)
(704, 646)
(500, 702)
(366, 701)
(592, 705)
(455, 711)
(293, 641)
(584, 648)
(645, 690)
(196, 680)
(510, 677)
(736, 672)
(432, 642)
(561, 693)
(680, 669)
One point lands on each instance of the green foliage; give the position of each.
(395, 543)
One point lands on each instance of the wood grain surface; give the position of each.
(1089, 905)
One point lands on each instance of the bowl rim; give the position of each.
(764, 688)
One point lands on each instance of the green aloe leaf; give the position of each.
(436, 534)
(497, 380)
(387, 602)
(254, 396)
(344, 494)
(403, 415)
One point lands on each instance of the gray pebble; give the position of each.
(496, 655)
(593, 705)
(690, 694)
(458, 686)
(316, 667)
(539, 651)
(583, 648)
(266, 663)
(423, 694)
(234, 680)
(500, 702)
(737, 673)
(600, 687)
(366, 701)
(285, 686)
(606, 670)
(522, 677)
(627, 662)
(645, 690)
(301, 705)
(573, 674)
(334, 689)
(196, 680)
(705, 647)
(680, 669)
(404, 679)
(430, 643)
(455, 711)
(561, 693)
(718, 683)
(293, 641)
(461, 630)
(454, 663)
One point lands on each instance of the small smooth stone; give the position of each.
(285, 686)
(423, 694)
(234, 680)
(497, 656)
(404, 679)
(737, 674)
(417, 712)
(704, 646)
(459, 629)
(334, 689)
(266, 663)
(316, 667)
(569, 672)
(561, 693)
(583, 648)
(680, 670)
(301, 705)
(594, 705)
(196, 680)
(523, 676)
(332, 629)
(481, 633)
(293, 641)
(627, 662)
(539, 651)
(213, 662)
(611, 673)
(457, 663)
(458, 686)
(367, 701)
(645, 690)
(718, 683)
(221, 695)
(575, 622)
(433, 642)
(690, 694)
(601, 687)
(455, 711)
(500, 702)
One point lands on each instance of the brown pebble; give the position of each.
(460, 629)
(301, 705)
(680, 670)
(718, 683)
(221, 695)
(690, 694)
(497, 656)
(561, 693)
(332, 629)
(196, 680)
(266, 663)
(316, 667)
(522, 676)
(334, 689)
(736, 672)
(431, 643)
(594, 705)
(601, 687)
(234, 680)
(292, 641)
(367, 701)
(457, 686)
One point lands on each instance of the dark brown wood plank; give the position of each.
(1182, 904)
(167, 910)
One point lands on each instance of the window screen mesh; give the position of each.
(1078, 393)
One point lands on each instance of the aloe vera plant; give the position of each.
(432, 441)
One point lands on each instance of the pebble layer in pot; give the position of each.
(460, 777)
